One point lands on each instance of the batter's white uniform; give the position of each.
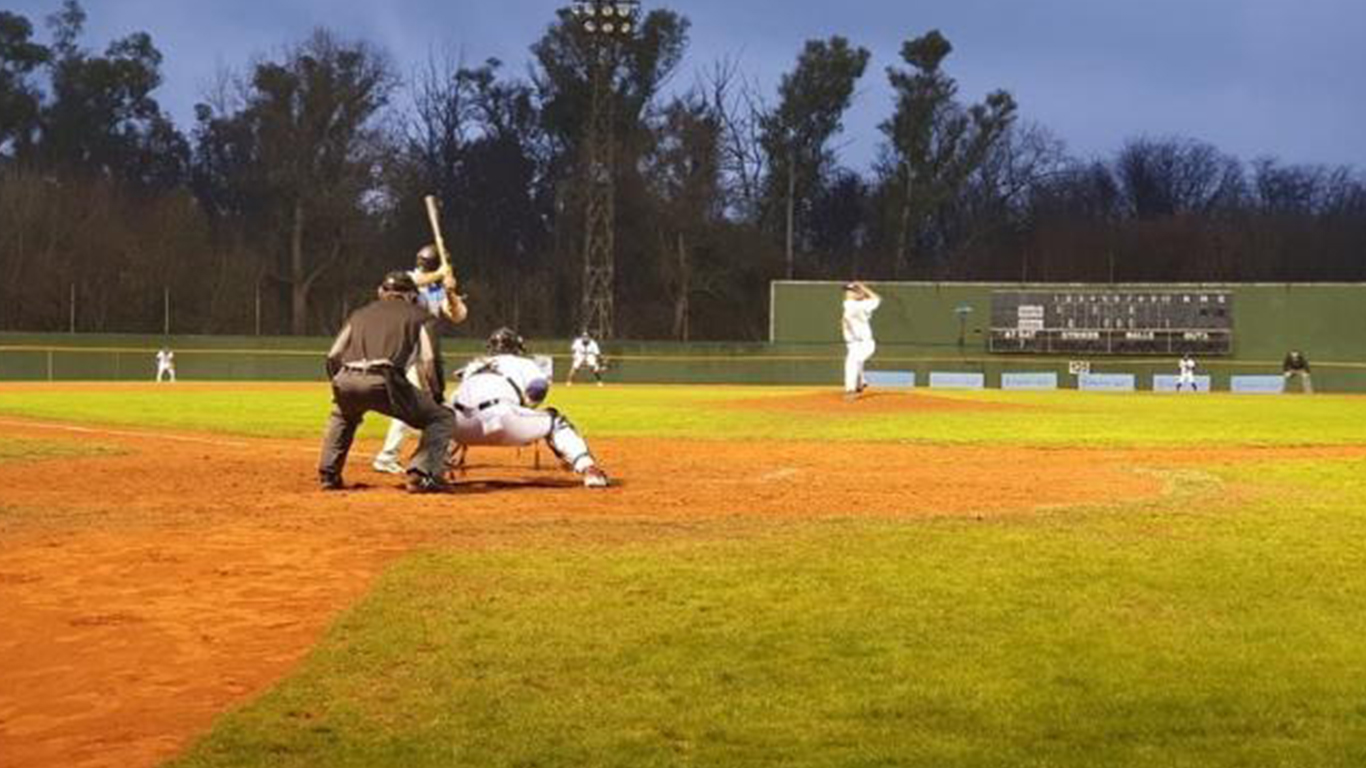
(1186, 374)
(496, 404)
(585, 352)
(858, 339)
(165, 364)
(431, 297)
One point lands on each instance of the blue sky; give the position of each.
(1256, 78)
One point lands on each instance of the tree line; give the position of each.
(300, 184)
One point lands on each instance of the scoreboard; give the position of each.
(1112, 322)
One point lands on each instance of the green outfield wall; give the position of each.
(114, 357)
(918, 330)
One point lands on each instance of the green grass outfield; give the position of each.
(1058, 419)
(1223, 624)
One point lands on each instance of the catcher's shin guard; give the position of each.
(566, 443)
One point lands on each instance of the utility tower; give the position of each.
(605, 24)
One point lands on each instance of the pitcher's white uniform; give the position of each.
(1186, 373)
(585, 352)
(165, 364)
(496, 404)
(858, 339)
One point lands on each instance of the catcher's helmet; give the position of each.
(428, 260)
(505, 341)
(398, 284)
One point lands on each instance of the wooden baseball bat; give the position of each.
(455, 308)
(434, 218)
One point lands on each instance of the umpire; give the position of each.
(367, 363)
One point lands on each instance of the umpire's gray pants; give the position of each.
(355, 393)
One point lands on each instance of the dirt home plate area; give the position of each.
(171, 577)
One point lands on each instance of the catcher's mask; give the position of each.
(505, 341)
(428, 260)
(398, 284)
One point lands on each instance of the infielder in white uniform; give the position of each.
(1186, 373)
(860, 302)
(165, 364)
(586, 354)
(496, 404)
(435, 293)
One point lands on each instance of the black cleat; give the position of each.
(330, 482)
(419, 482)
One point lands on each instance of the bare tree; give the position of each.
(738, 108)
(1174, 176)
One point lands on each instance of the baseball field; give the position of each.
(919, 578)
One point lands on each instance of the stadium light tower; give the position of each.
(605, 25)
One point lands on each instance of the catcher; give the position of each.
(497, 404)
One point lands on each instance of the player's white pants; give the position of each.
(858, 354)
(513, 425)
(590, 362)
(393, 441)
(165, 370)
(1183, 379)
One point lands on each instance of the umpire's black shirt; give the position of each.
(389, 332)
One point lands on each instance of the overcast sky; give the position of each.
(1283, 78)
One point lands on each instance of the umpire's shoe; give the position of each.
(329, 481)
(421, 482)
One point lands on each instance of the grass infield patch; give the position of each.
(1185, 632)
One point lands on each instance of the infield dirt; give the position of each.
(148, 590)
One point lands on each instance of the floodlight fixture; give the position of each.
(606, 19)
